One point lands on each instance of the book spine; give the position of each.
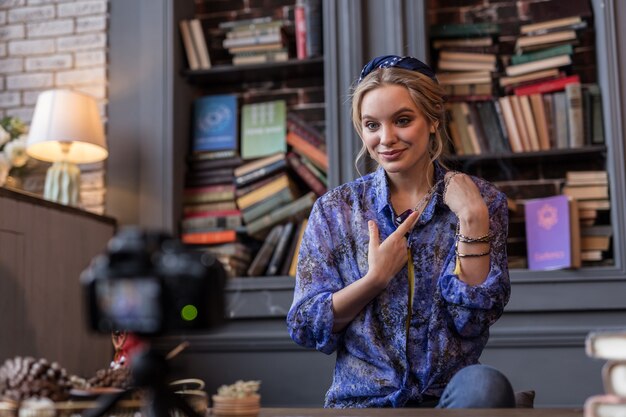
(597, 124)
(262, 258)
(265, 206)
(241, 191)
(260, 173)
(529, 121)
(573, 95)
(281, 183)
(502, 126)
(559, 115)
(190, 51)
(542, 54)
(507, 113)
(313, 17)
(539, 114)
(199, 41)
(280, 251)
(301, 30)
(209, 197)
(252, 40)
(520, 123)
(192, 209)
(207, 222)
(293, 209)
(294, 261)
(208, 238)
(307, 176)
(293, 245)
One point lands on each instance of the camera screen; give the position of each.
(129, 304)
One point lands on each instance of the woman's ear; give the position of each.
(433, 127)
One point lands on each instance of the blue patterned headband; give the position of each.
(405, 62)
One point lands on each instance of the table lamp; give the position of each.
(66, 130)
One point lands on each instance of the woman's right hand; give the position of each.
(386, 259)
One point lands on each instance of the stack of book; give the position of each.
(465, 58)
(609, 345)
(254, 189)
(540, 103)
(307, 158)
(257, 40)
(591, 190)
(210, 215)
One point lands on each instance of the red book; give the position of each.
(213, 213)
(301, 146)
(301, 31)
(209, 238)
(547, 86)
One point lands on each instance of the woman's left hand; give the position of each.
(462, 196)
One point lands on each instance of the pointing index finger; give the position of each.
(406, 226)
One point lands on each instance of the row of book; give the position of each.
(565, 114)
(472, 54)
(567, 230)
(241, 186)
(295, 34)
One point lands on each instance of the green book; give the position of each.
(462, 30)
(263, 129)
(542, 54)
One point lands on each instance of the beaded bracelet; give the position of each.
(481, 239)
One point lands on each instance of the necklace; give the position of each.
(419, 207)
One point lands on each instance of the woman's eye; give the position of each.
(403, 121)
(371, 125)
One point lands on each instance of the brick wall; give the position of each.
(47, 44)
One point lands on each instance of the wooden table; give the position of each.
(420, 412)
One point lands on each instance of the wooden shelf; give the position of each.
(229, 74)
(552, 153)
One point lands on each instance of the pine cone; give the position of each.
(26, 377)
(116, 378)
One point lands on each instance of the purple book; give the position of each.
(548, 237)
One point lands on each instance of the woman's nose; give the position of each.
(387, 135)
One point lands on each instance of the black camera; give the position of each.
(149, 283)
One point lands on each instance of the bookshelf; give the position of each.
(549, 313)
(227, 74)
(296, 82)
(524, 118)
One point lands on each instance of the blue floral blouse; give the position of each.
(377, 365)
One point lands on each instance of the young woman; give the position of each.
(402, 271)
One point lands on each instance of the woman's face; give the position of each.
(395, 132)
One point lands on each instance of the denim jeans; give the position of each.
(478, 386)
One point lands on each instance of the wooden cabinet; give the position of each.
(44, 247)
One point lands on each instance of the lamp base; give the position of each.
(63, 183)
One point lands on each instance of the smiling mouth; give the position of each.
(391, 153)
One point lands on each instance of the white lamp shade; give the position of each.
(66, 116)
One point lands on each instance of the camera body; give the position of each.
(149, 283)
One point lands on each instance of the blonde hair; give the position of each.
(427, 95)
